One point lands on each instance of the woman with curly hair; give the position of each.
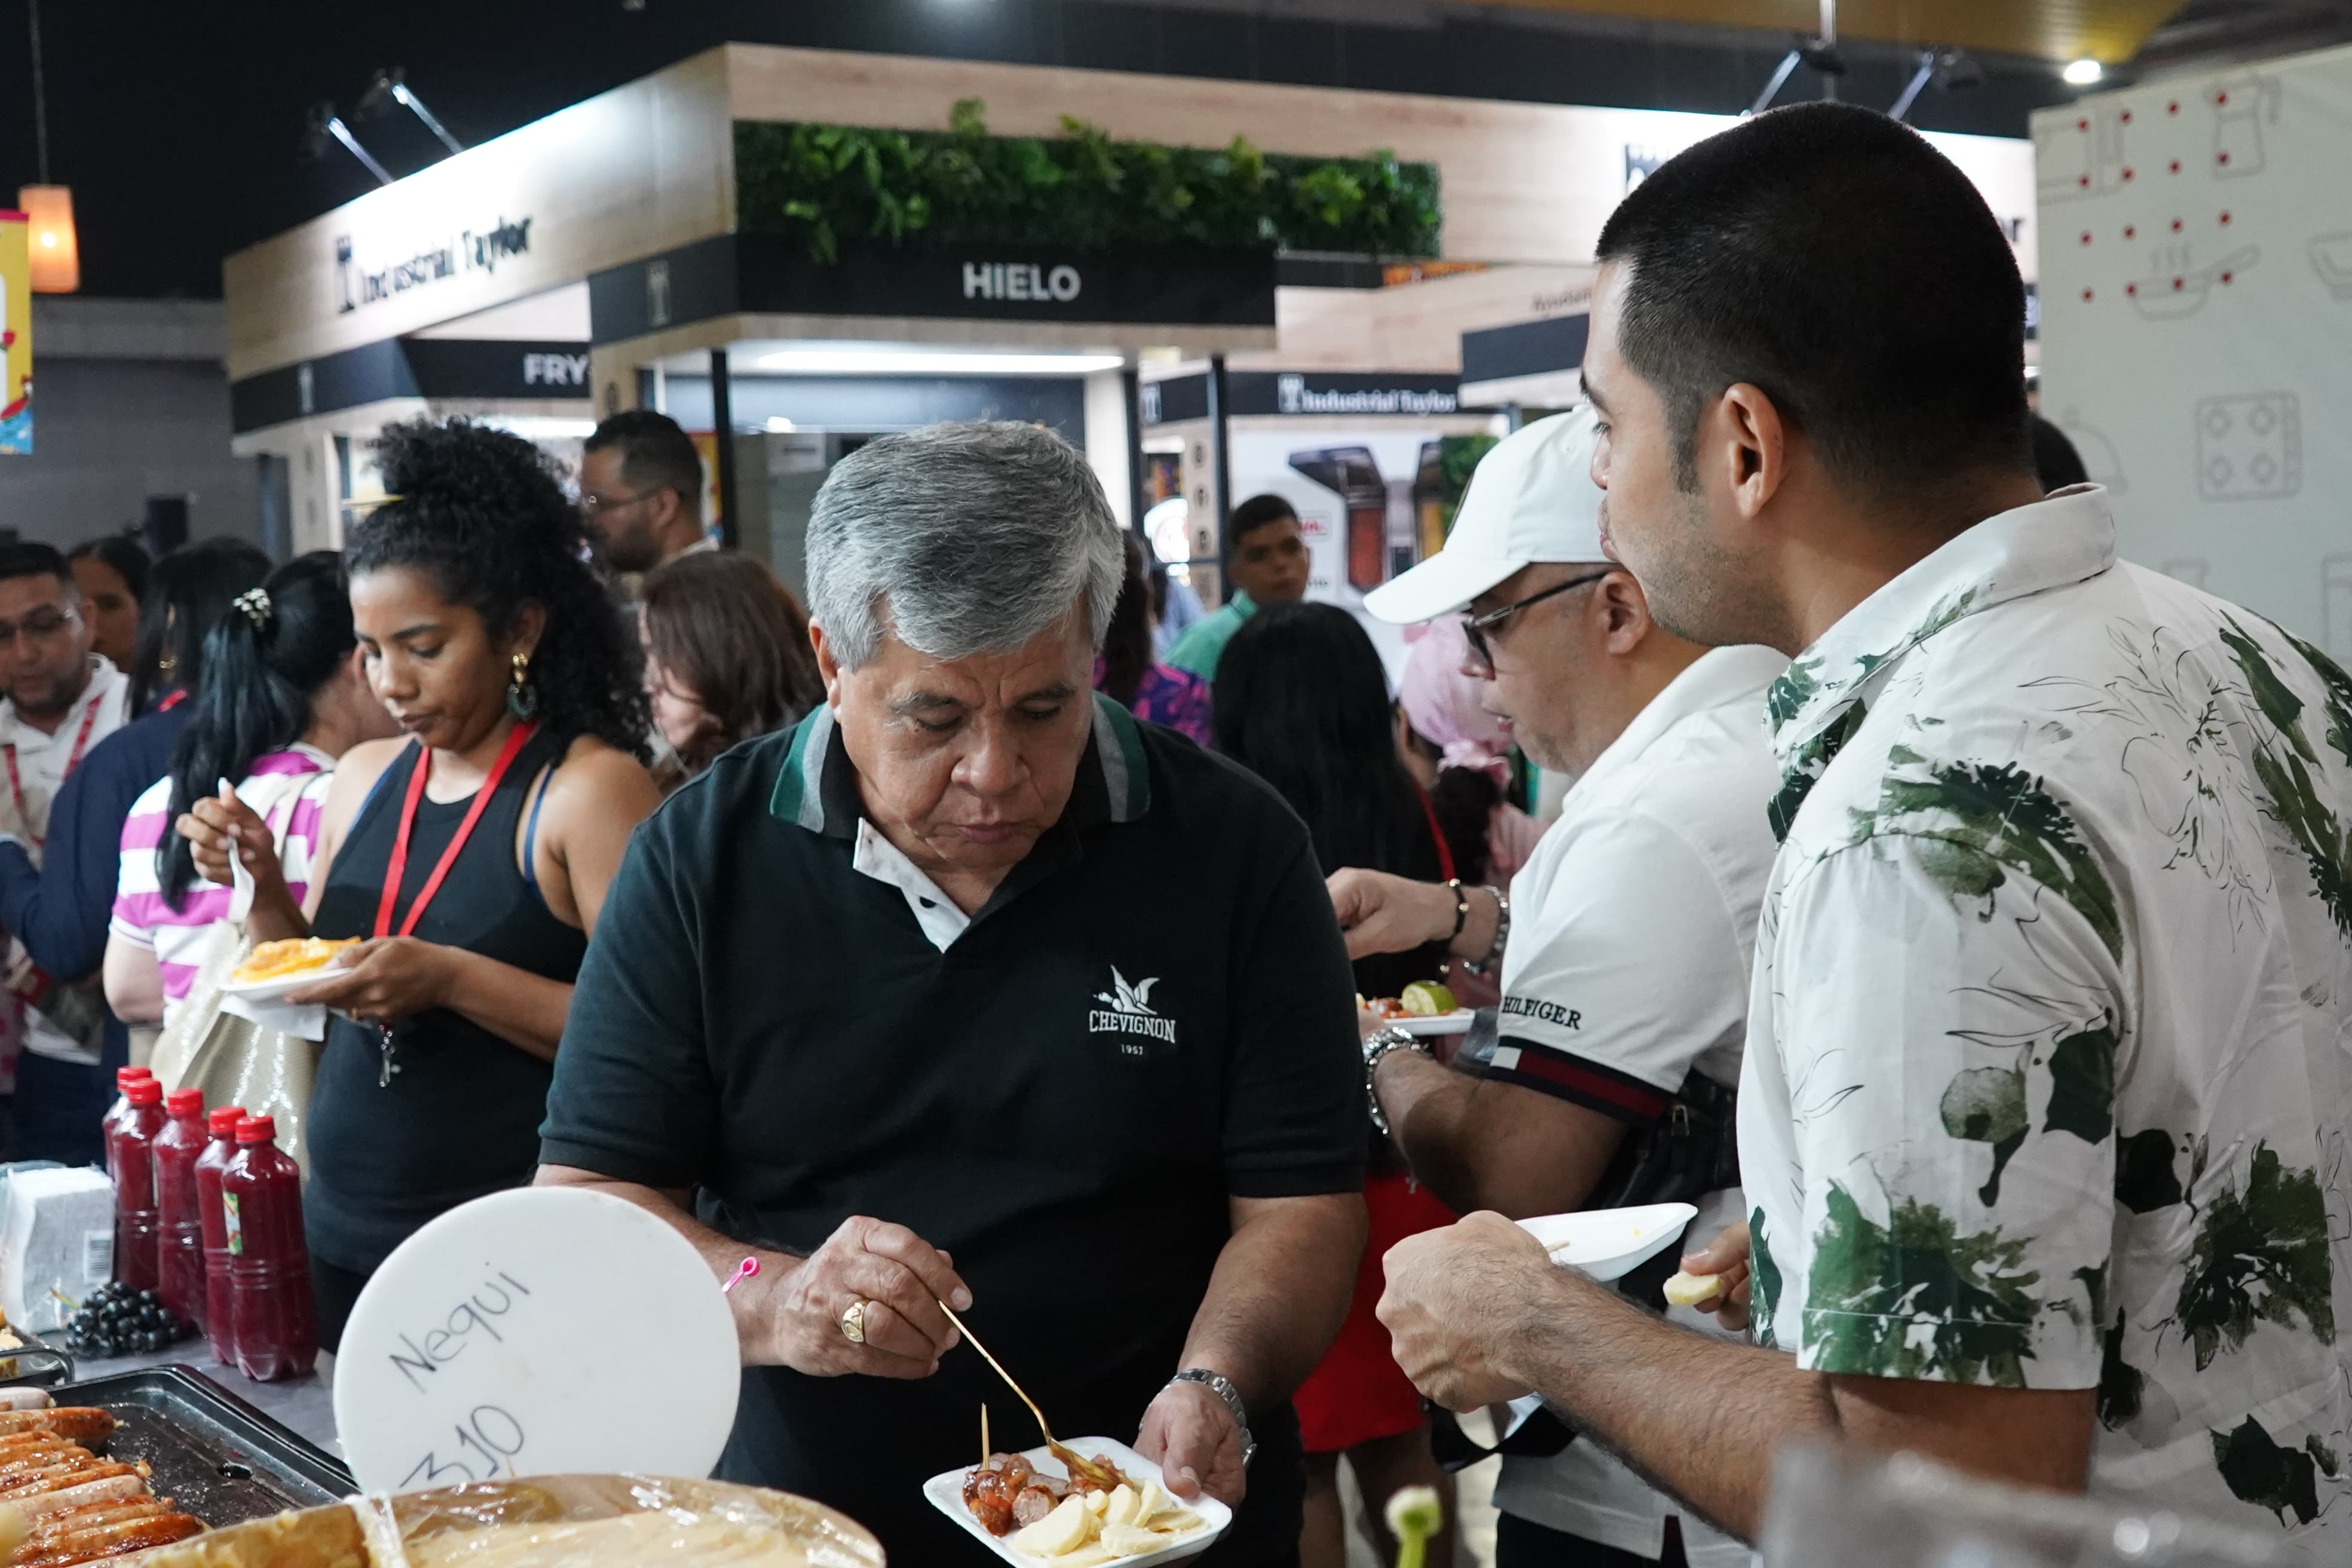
(469, 858)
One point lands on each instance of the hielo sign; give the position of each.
(1020, 280)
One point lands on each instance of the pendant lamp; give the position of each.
(56, 258)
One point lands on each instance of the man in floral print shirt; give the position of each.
(2043, 1113)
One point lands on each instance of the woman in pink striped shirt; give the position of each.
(282, 696)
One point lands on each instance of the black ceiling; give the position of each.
(179, 126)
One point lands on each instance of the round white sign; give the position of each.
(534, 1333)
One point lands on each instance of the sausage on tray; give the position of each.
(109, 1541)
(119, 1483)
(81, 1424)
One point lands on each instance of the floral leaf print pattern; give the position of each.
(1805, 768)
(2339, 694)
(1987, 1105)
(2122, 1386)
(2295, 801)
(1972, 819)
(2083, 1084)
(1764, 1298)
(2144, 1180)
(1913, 1298)
(2259, 1472)
(2259, 1255)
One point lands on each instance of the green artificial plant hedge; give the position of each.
(846, 188)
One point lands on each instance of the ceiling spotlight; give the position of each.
(326, 125)
(2082, 72)
(388, 92)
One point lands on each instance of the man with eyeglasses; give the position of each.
(641, 486)
(61, 700)
(1625, 942)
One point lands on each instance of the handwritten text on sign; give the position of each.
(485, 1441)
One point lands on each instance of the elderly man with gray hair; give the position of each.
(972, 989)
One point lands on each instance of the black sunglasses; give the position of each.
(1475, 627)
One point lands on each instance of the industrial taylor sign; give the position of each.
(359, 282)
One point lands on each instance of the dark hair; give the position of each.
(735, 637)
(2056, 464)
(1463, 801)
(119, 554)
(31, 558)
(1127, 645)
(655, 455)
(188, 592)
(482, 514)
(1831, 257)
(1256, 513)
(1301, 700)
(262, 667)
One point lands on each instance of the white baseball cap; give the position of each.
(1532, 498)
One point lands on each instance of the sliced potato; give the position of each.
(1090, 1555)
(1068, 1526)
(1121, 1509)
(1097, 1501)
(1127, 1539)
(1176, 1520)
(1689, 1289)
(1150, 1501)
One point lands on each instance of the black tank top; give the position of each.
(461, 1118)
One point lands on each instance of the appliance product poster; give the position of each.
(15, 334)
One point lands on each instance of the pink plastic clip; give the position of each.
(743, 1270)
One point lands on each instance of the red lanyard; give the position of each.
(398, 866)
(1445, 856)
(73, 760)
(172, 700)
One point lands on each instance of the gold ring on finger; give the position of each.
(853, 1323)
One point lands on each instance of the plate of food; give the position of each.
(1425, 1007)
(1025, 1508)
(1608, 1243)
(275, 969)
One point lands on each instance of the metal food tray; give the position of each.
(214, 1455)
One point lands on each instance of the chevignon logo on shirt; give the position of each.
(1544, 1012)
(1126, 1010)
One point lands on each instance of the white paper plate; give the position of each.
(945, 1491)
(1454, 1022)
(1608, 1243)
(279, 986)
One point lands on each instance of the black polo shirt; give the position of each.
(1153, 1013)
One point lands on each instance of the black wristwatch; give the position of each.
(1218, 1383)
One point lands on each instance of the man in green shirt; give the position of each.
(1265, 561)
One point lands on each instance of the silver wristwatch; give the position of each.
(1376, 1046)
(1218, 1383)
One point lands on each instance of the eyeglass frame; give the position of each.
(593, 505)
(1474, 627)
(68, 615)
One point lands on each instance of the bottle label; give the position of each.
(96, 1256)
(235, 1230)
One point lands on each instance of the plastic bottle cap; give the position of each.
(222, 1122)
(125, 1076)
(185, 1102)
(143, 1091)
(257, 1130)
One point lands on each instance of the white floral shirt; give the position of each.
(2051, 1055)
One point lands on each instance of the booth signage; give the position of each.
(1303, 395)
(490, 369)
(771, 274)
(358, 283)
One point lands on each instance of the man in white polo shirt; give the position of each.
(1625, 942)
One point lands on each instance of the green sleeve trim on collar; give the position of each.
(1127, 776)
(799, 797)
